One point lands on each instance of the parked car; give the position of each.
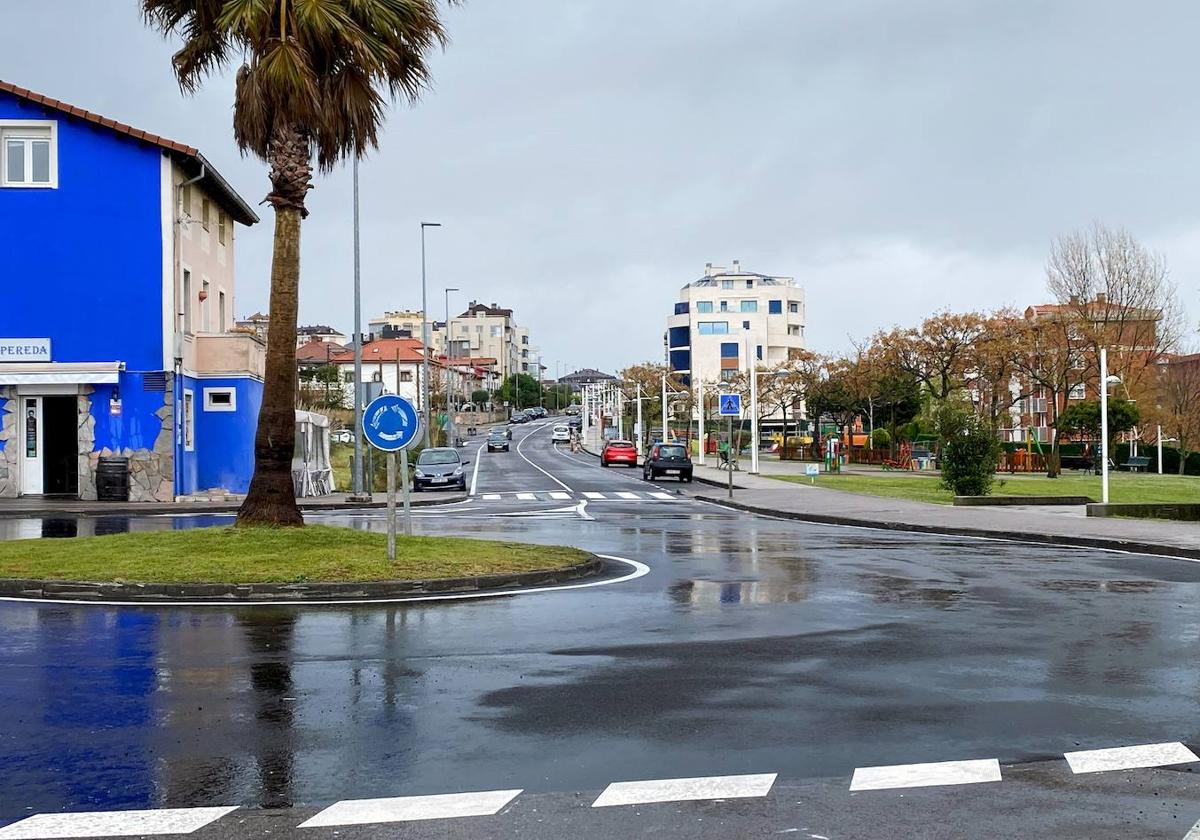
(618, 451)
(561, 432)
(667, 459)
(440, 466)
(497, 439)
(518, 417)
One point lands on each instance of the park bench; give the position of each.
(1136, 463)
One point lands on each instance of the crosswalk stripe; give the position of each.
(685, 790)
(113, 823)
(628, 496)
(527, 497)
(926, 775)
(411, 808)
(593, 495)
(661, 495)
(1130, 758)
(491, 497)
(560, 495)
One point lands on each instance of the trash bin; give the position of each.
(112, 479)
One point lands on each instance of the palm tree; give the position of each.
(315, 78)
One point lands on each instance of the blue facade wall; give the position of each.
(88, 272)
(224, 454)
(137, 426)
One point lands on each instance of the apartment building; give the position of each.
(730, 313)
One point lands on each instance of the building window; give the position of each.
(729, 373)
(681, 308)
(497, 332)
(221, 217)
(726, 284)
(774, 307)
(724, 306)
(713, 327)
(30, 157)
(204, 307)
(729, 350)
(704, 306)
(220, 399)
(187, 301)
(749, 283)
(205, 210)
(185, 200)
(760, 352)
(793, 329)
(794, 308)
(189, 421)
(1077, 392)
(406, 376)
(749, 306)
(745, 325)
(348, 377)
(221, 311)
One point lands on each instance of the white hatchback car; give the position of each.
(561, 432)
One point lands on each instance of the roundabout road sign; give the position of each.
(391, 423)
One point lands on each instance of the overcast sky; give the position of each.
(588, 157)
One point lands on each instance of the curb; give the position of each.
(250, 593)
(204, 507)
(1156, 549)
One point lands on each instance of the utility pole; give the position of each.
(450, 371)
(425, 334)
(699, 417)
(1104, 425)
(358, 395)
(664, 406)
(752, 359)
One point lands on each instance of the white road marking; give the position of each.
(1194, 834)
(558, 494)
(410, 808)
(685, 790)
(1129, 758)
(527, 497)
(113, 823)
(581, 509)
(627, 495)
(593, 495)
(491, 497)
(639, 570)
(536, 467)
(662, 496)
(926, 775)
(475, 472)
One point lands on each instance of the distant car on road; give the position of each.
(618, 451)
(561, 432)
(497, 439)
(441, 466)
(667, 459)
(342, 436)
(518, 417)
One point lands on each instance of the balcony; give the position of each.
(233, 353)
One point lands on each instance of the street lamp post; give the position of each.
(358, 395)
(425, 334)
(699, 417)
(1104, 425)
(450, 372)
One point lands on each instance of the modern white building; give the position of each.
(729, 313)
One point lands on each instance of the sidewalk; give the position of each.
(38, 507)
(1031, 524)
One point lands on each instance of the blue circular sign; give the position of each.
(391, 423)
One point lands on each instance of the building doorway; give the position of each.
(49, 445)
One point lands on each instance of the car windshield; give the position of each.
(438, 456)
(671, 452)
(496, 433)
(560, 428)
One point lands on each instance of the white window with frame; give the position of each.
(29, 153)
(189, 421)
(221, 226)
(220, 399)
(221, 323)
(205, 318)
(1077, 392)
(187, 301)
(185, 210)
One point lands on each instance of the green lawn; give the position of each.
(270, 555)
(926, 487)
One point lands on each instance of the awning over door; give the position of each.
(59, 373)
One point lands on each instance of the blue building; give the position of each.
(117, 290)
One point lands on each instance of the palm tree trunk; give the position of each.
(272, 496)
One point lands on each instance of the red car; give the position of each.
(618, 452)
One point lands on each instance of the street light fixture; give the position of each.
(425, 334)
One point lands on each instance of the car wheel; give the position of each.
(603, 463)
(688, 478)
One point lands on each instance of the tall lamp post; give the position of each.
(1104, 425)
(425, 333)
(358, 394)
(450, 372)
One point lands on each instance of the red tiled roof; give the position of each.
(319, 351)
(385, 350)
(220, 188)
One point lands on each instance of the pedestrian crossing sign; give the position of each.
(730, 405)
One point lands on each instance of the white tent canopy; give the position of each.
(312, 474)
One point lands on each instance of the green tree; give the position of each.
(520, 391)
(480, 397)
(1083, 419)
(314, 80)
(969, 451)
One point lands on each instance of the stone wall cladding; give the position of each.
(87, 442)
(8, 435)
(151, 471)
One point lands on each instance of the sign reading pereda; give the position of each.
(24, 349)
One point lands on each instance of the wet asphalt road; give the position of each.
(752, 646)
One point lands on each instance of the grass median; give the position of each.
(316, 553)
(926, 487)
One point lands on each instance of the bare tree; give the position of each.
(1052, 357)
(1178, 406)
(1119, 295)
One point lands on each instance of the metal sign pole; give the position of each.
(391, 506)
(729, 453)
(404, 479)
